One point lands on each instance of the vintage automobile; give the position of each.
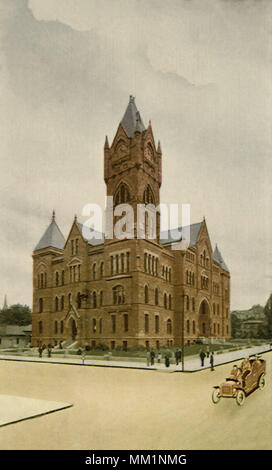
(243, 380)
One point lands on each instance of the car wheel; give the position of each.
(261, 382)
(216, 396)
(240, 397)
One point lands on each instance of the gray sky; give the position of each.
(200, 70)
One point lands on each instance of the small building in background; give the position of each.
(15, 336)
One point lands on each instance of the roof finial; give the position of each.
(131, 98)
(159, 147)
(75, 218)
(106, 146)
(5, 305)
(53, 215)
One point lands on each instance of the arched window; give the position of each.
(194, 330)
(40, 327)
(101, 297)
(94, 325)
(187, 302)
(145, 261)
(61, 326)
(62, 278)
(57, 278)
(122, 195)
(62, 302)
(56, 304)
(118, 295)
(193, 304)
(56, 327)
(40, 305)
(94, 300)
(148, 196)
(188, 326)
(102, 270)
(203, 328)
(170, 302)
(169, 326)
(165, 300)
(156, 296)
(146, 294)
(94, 271)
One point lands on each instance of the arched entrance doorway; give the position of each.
(204, 319)
(73, 328)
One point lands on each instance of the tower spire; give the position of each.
(53, 215)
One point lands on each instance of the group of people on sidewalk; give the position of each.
(167, 355)
(42, 348)
(209, 355)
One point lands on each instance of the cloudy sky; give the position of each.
(200, 70)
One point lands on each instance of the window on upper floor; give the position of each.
(146, 294)
(94, 271)
(165, 300)
(169, 326)
(102, 270)
(94, 300)
(148, 196)
(40, 305)
(56, 304)
(57, 278)
(118, 295)
(156, 296)
(122, 195)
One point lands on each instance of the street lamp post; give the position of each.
(182, 332)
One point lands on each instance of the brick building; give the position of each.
(130, 292)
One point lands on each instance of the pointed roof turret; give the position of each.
(52, 237)
(5, 305)
(106, 145)
(218, 257)
(132, 119)
(159, 147)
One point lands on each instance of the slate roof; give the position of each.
(52, 238)
(14, 330)
(165, 237)
(218, 257)
(132, 118)
(99, 240)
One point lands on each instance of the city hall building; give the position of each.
(126, 293)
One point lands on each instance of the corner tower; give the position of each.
(132, 164)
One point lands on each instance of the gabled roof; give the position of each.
(165, 237)
(52, 237)
(132, 119)
(218, 257)
(99, 240)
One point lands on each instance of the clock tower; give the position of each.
(132, 164)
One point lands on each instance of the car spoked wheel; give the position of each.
(216, 396)
(240, 397)
(261, 382)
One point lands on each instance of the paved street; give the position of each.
(117, 408)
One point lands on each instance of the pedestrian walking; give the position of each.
(202, 356)
(177, 357)
(148, 358)
(167, 358)
(159, 357)
(49, 350)
(152, 356)
(40, 351)
(208, 352)
(212, 361)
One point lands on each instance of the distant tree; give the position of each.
(235, 326)
(16, 315)
(267, 330)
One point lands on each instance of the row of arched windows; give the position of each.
(42, 280)
(190, 328)
(169, 326)
(190, 278)
(151, 264)
(216, 309)
(59, 279)
(75, 273)
(167, 299)
(204, 260)
(167, 273)
(120, 263)
(122, 195)
(101, 270)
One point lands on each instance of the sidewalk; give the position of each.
(191, 363)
